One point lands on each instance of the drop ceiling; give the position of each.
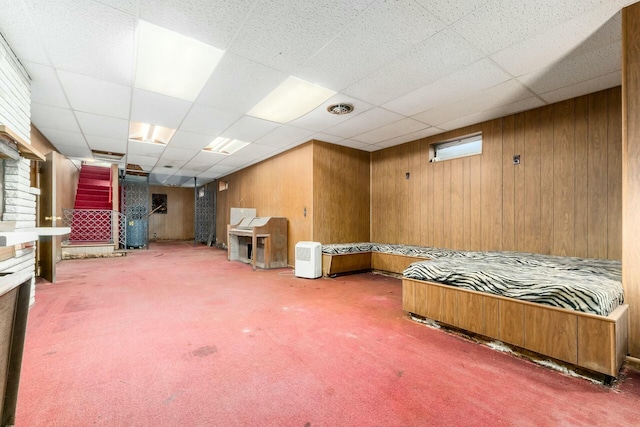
(410, 69)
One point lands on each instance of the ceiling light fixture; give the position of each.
(225, 146)
(150, 134)
(172, 64)
(340, 108)
(291, 99)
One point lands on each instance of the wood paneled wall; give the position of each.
(341, 181)
(564, 197)
(178, 222)
(631, 170)
(279, 186)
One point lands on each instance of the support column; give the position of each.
(631, 170)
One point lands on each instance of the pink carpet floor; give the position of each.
(178, 336)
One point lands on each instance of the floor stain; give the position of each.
(173, 397)
(204, 351)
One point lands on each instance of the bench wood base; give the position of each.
(593, 342)
(366, 261)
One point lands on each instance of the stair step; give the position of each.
(97, 197)
(98, 191)
(91, 168)
(95, 182)
(96, 177)
(93, 206)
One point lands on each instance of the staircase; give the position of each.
(92, 209)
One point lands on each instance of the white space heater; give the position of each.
(308, 260)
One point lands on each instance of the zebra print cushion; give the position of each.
(417, 251)
(590, 286)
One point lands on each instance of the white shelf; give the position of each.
(48, 231)
(25, 235)
(12, 238)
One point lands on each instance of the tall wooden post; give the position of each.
(631, 170)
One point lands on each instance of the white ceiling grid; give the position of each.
(411, 69)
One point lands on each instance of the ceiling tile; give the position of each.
(126, 6)
(451, 11)
(96, 96)
(192, 172)
(284, 135)
(320, 119)
(45, 87)
(371, 148)
(219, 169)
(45, 116)
(399, 128)
(238, 84)
(142, 149)
(107, 127)
(233, 161)
(607, 19)
(249, 129)
(146, 162)
(577, 35)
(107, 144)
(191, 169)
(156, 109)
(502, 23)
(370, 119)
(582, 88)
(324, 137)
(19, 32)
(358, 50)
(254, 151)
(503, 94)
(442, 54)
(189, 140)
(59, 137)
(178, 154)
(352, 144)
(291, 31)
(600, 62)
(207, 120)
(207, 158)
(502, 111)
(476, 77)
(105, 48)
(212, 24)
(74, 151)
(410, 137)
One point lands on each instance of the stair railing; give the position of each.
(96, 226)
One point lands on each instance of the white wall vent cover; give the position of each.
(308, 260)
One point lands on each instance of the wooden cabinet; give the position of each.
(259, 241)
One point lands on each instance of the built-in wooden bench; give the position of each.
(594, 342)
(597, 343)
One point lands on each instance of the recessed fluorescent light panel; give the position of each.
(293, 98)
(172, 64)
(150, 134)
(226, 146)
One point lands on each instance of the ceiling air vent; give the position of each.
(340, 108)
(107, 156)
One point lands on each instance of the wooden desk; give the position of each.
(259, 241)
